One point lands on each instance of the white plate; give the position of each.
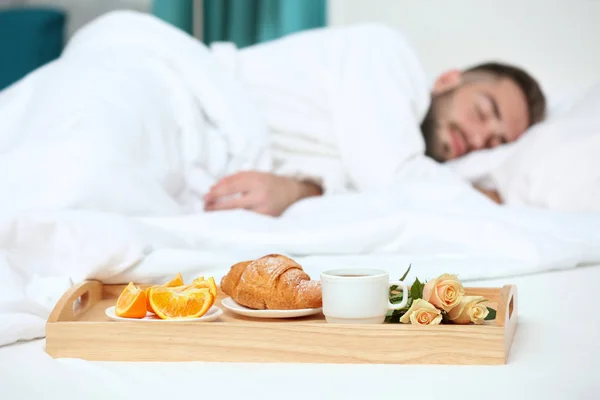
(212, 314)
(231, 305)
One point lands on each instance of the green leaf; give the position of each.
(393, 316)
(491, 315)
(396, 299)
(445, 318)
(416, 290)
(406, 273)
(393, 287)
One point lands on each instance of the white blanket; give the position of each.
(44, 253)
(108, 199)
(135, 117)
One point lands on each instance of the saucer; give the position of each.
(212, 314)
(232, 306)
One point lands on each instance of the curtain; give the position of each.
(176, 12)
(29, 38)
(246, 22)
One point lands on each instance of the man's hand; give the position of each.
(261, 192)
(492, 194)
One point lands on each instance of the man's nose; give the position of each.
(485, 133)
(478, 139)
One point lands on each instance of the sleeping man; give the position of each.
(350, 108)
(136, 116)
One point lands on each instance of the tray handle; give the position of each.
(76, 301)
(507, 306)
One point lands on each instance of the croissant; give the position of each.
(272, 282)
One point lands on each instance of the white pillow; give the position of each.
(556, 164)
(476, 166)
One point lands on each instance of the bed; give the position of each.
(553, 256)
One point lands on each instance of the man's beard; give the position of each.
(429, 129)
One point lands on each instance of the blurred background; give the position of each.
(557, 40)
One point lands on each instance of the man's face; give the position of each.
(473, 112)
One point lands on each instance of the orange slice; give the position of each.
(172, 303)
(177, 281)
(147, 292)
(131, 302)
(201, 283)
(209, 283)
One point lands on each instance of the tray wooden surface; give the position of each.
(79, 328)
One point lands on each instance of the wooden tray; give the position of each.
(78, 328)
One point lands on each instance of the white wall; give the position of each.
(558, 40)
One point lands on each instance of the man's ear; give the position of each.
(447, 81)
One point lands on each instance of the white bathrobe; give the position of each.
(343, 104)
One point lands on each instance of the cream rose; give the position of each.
(469, 310)
(422, 313)
(444, 292)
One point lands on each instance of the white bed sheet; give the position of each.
(555, 355)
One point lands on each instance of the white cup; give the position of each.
(358, 295)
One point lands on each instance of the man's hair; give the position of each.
(536, 101)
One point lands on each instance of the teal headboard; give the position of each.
(29, 38)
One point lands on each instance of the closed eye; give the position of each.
(480, 114)
(494, 104)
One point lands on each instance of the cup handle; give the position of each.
(402, 304)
